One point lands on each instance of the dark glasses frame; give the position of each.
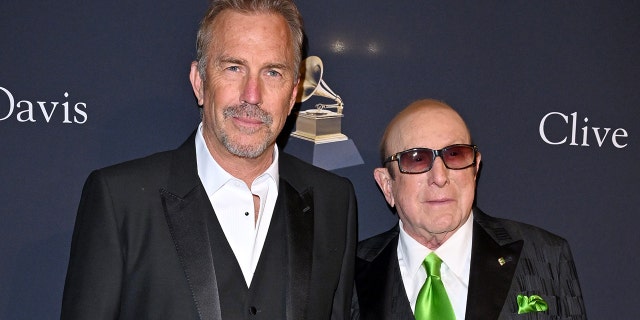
(435, 153)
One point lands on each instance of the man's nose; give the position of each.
(252, 90)
(439, 173)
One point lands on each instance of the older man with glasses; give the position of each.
(446, 259)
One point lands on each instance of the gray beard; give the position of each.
(250, 111)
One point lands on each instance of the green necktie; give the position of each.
(433, 302)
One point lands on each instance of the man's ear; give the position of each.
(478, 159)
(382, 177)
(196, 83)
(294, 95)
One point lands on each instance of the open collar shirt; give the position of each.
(232, 201)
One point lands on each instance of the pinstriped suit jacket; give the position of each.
(537, 262)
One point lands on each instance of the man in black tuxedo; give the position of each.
(225, 226)
(491, 268)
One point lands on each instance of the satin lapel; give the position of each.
(492, 269)
(375, 281)
(380, 290)
(299, 236)
(186, 207)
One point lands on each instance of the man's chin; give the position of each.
(246, 150)
(444, 227)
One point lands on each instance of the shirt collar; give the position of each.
(213, 176)
(412, 251)
(455, 252)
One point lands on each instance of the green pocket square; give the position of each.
(534, 303)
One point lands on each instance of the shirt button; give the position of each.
(246, 214)
(253, 310)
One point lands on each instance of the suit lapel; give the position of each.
(186, 208)
(494, 258)
(299, 237)
(379, 285)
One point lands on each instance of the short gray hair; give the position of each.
(286, 8)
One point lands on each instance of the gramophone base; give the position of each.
(329, 156)
(319, 126)
(325, 138)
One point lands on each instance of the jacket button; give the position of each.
(253, 310)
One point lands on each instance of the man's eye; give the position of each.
(233, 68)
(273, 73)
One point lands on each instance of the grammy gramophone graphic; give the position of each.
(319, 130)
(319, 125)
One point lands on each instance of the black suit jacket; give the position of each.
(140, 248)
(536, 262)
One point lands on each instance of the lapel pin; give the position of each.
(501, 261)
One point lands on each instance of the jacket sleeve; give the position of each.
(343, 296)
(571, 303)
(94, 275)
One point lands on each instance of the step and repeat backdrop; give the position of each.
(550, 90)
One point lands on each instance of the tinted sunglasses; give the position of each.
(419, 160)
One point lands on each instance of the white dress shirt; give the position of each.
(232, 201)
(454, 272)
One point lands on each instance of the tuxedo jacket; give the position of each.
(141, 248)
(508, 259)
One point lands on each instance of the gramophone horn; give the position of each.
(313, 85)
